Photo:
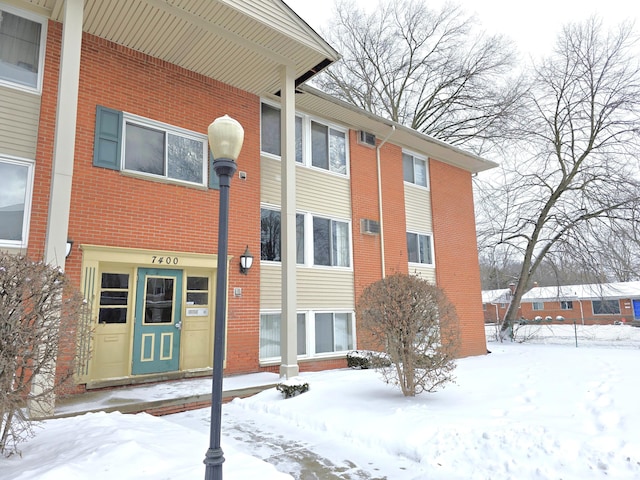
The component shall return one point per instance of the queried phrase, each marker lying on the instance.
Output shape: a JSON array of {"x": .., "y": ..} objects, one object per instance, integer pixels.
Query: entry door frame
[{"x": 156, "y": 346}]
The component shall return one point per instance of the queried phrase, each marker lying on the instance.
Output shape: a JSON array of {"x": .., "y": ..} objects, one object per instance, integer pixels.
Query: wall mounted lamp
[
  {"x": 246, "y": 260},
  {"x": 68, "y": 248}
]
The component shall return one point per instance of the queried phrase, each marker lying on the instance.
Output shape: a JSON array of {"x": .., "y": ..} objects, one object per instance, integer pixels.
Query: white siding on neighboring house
[{"x": 19, "y": 116}]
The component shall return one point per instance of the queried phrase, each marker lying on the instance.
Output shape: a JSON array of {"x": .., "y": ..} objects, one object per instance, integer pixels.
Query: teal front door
[{"x": 156, "y": 333}]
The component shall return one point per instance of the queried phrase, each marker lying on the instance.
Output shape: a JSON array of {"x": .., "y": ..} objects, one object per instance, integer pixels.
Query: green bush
[
  {"x": 364, "y": 359},
  {"x": 292, "y": 387}
]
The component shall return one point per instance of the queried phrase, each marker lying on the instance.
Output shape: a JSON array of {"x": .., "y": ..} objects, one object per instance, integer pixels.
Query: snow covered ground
[{"x": 544, "y": 410}]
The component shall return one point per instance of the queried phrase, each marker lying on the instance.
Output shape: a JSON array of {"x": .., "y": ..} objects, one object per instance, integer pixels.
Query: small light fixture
[
  {"x": 246, "y": 260},
  {"x": 69, "y": 247}
]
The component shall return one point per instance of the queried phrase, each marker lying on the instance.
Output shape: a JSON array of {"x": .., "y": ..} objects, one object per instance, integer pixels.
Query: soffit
[
  {"x": 316, "y": 102},
  {"x": 243, "y": 43}
]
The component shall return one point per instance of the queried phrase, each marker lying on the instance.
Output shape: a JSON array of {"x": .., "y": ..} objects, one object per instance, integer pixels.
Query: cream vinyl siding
[
  {"x": 316, "y": 191},
  {"x": 19, "y": 116},
  {"x": 423, "y": 271},
  {"x": 418, "y": 209},
  {"x": 317, "y": 288}
]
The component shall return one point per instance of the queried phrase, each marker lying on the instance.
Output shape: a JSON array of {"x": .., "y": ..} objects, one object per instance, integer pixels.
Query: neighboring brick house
[
  {"x": 104, "y": 108},
  {"x": 605, "y": 303},
  {"x": 495, "y": 304}
]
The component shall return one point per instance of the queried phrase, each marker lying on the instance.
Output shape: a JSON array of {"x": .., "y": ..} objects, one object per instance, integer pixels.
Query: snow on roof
[
  {"x": 594, "y": 291},
  {"x": 501, "y": 295}
]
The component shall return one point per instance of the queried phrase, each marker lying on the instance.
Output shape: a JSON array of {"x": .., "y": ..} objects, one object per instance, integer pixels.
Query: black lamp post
[{"x": 225, "y": 139}]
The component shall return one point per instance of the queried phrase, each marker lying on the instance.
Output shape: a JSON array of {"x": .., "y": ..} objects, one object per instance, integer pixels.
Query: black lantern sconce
[{"x": 246, "y": 260}]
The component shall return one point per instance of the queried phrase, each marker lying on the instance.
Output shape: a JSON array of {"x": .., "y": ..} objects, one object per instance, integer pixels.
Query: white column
[
  {"x": 288, "y": 326},
  {"x": 65, "y": 134},
  {"x": 61, "y": 175}
]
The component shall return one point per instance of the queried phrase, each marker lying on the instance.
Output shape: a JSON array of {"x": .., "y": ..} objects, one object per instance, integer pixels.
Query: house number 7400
[{"x": 166, "y": 260}]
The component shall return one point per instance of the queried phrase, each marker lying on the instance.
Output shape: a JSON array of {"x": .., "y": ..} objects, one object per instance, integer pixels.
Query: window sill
[{"x": 166, "y": 181}]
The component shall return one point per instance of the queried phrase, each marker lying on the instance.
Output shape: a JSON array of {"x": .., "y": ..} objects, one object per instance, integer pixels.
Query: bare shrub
[
  {"x": 39, "y": 309},
  {"x": 418, "y": 328}
]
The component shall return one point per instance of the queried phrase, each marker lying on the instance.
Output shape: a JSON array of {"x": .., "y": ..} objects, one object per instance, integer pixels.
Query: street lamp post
[{"x": 225, "y": 140}]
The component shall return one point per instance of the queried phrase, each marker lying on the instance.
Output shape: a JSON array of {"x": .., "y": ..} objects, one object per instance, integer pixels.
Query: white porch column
[
  {"x": 62, "y": 172},
  {"x": 288, "y": 326}
]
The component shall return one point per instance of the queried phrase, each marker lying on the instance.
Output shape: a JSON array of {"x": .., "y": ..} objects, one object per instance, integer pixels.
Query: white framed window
[
  {"x": 160, "y": 150},
  {"x": 270, "y": 237},
  {"x": 331, "y": 242},
  {"x": 606, "y": 307},
  {"x": 16, "y": 187},
  {"x": 319, "y": 144},
  {"x": 22, "y": 41},
  {"x": 270, "y": 335},
  {"x": 319, "y": 334},
  {"x": 414, "y": 170},
  {"x": 420, "y": 248},
  {"x": 537, "y": 305},
  {"x": 333, "y": 332},
  {"x": 566, "y": 305}
]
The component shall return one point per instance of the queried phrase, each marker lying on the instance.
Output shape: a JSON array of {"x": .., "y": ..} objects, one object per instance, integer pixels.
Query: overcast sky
[{"x": 532, "y": 25}]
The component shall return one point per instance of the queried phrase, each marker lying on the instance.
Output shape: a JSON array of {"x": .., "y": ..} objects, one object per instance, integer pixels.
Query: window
[
  {"x": 197, "y": 291},
  {"x": 161, "y": 152},
  {"x": 328, "y": 148},
  {"x": 270, "y": 335},
  {"x": 419, "y": 248},
  {"x": 333, "y": 332},
  {"x": 21, "y": 49},
  {"x": 415, "y": 170},
  {"x": 317, "y": 144},
  {"x": 537, "y": 305},
  {"x": 135, "y": 144},
  {"x": 566, "y": 305},
  {"x": 606, "y": 307},
  {"x": 270, "y": 132},
  {"x": 114, "y": 298},
  {"x": 270, "y": 238},
  {"x": 331, "y": 243},
  {"x": 16, "y": 181}
]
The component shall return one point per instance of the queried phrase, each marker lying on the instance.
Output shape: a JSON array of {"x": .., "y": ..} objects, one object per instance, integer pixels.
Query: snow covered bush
[
  {"x": 415, "y": 324},
  {"x": 39, "y": 310},
  {"x": 292, "y": 387},
  {"x": 364, "y": 359}
]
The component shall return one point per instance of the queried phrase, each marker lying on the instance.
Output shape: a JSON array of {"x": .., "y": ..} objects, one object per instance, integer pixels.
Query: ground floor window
[
  {"x": 537, "y": 305},
  {"x": 16, "y": 180},
  {"x": 606, "y": 307},
  {"x": 318, "y": 333},
  {"x": 566, "y": 305}
]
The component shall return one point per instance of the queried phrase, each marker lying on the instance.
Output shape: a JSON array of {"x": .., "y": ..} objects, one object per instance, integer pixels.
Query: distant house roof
[
  {"x": 595, "y": 291},
  {"x": 501, "y": 295}
]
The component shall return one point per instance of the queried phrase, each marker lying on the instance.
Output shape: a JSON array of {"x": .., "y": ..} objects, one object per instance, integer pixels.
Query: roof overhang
[
  {"x": 314, "y": 101},
  {"x": 243, "y": 43}
]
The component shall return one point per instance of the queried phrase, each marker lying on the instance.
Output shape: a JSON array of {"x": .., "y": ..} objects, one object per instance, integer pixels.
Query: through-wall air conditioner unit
[
  {"x": 369, "y": 227},
  {"x": 366, "y": 138}
]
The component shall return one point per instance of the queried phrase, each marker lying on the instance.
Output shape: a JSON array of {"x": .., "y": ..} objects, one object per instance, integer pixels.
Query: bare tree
[
  {"x": 416, "y": 326},
  {"x": 423, "y": 68},
  {"x": 575, "y": 167},
  {"x": 39, "y": 310}
]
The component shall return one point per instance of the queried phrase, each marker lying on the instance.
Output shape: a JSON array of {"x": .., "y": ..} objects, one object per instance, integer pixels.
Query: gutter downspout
[{"x": 393, "y": 129}]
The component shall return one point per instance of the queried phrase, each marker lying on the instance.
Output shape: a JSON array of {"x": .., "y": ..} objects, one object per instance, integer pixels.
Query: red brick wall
[
  {"x": 456, "y": 254},
  {"x": 553, "y": 310},
  {"x": 108, "y": 208}
]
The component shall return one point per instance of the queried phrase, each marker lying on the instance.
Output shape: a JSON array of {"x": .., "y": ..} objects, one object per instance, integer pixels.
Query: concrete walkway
[{"x": 163, "y": 398}]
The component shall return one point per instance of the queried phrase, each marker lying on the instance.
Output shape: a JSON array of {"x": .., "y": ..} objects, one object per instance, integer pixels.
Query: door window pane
[
  {"x": 14, "y": 184},
  {"x": 144, "y": 150},
  {"x": 19, "y": 49},
  {"x": 159, "y": 300},
  {"x": 114, "y": 298},
  {"x": 197, "y": 291}
]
